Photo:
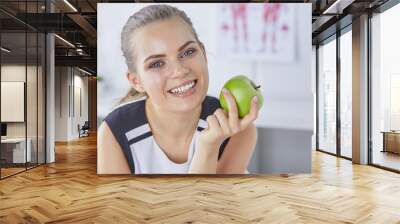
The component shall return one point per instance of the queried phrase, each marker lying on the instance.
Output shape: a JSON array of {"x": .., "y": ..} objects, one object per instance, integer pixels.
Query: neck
[{"x": 172, "y": 124}]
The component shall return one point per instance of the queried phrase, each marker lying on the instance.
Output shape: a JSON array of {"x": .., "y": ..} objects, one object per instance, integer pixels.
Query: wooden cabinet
[{"x": 391, "y": 142}]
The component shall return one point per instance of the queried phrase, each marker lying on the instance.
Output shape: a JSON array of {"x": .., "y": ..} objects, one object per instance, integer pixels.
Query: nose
[{"x": 179, "y": 69}]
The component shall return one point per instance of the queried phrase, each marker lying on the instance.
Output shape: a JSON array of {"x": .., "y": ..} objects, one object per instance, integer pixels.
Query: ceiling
[
  {"x": 328, "y": 16},
  {"x": 77, "y": 25},
  {"x": 76, "y": 22}
]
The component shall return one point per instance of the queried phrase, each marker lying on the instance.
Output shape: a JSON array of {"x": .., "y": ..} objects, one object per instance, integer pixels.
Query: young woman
[{"x": 168, "y": 124}]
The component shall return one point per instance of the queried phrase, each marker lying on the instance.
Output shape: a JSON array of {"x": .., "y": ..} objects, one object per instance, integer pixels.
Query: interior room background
[{"x": 281, "y": 65}]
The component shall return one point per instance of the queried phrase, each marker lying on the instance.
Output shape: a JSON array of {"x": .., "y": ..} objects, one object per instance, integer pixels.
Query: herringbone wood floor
[{"x": 69, "y": 191}]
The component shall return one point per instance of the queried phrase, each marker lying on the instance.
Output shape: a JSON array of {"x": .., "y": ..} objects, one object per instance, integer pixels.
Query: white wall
[
  {"x": 314, "y": 90},
  {"x": 67, "y": 80},
  {"x": 16, "y": 73},
  {"x": 61, "y": 103},
  {"x": 80, "y": 84},
  {"x": 287, "y": 87}
]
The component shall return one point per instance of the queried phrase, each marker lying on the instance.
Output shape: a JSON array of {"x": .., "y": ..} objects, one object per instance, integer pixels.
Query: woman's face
[{"x": 170, "y": 65}]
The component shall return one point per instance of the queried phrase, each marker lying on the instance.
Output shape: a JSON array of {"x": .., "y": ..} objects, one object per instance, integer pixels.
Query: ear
[{"x": 134, "y": 80}]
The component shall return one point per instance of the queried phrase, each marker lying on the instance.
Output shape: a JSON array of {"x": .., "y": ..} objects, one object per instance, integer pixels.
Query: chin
[{"x": 189, "y": 105}]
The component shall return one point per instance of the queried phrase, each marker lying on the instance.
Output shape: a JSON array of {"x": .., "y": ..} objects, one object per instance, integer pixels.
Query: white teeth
[{"x": 184, "y": 88}]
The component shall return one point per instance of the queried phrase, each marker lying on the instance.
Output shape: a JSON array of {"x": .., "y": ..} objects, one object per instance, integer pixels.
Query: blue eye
[
  {"x": 156, "y": 64},
  {"x": 189, "y": 52}
]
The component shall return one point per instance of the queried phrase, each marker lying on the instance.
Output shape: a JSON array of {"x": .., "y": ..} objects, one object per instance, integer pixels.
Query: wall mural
[{"x": 267, "y": 35}]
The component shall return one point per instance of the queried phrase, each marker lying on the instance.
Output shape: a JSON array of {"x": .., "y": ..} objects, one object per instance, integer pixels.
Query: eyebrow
[{"x": 163, "y": 55}]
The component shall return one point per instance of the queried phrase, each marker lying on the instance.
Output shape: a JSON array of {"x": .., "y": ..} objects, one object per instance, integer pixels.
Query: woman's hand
[{"x": 222, "y": 125}]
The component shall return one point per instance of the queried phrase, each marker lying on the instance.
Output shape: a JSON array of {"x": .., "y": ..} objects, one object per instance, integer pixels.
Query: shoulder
[
  {"x": 126, "y": 109},
  {"x": 104, "y": 137},
  {"x": 110, "y": 157},
  {"x": 127, "y": 116},
  {"x": 128, "y": 124}
]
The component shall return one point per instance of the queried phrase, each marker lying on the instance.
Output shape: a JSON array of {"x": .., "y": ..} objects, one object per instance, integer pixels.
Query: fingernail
[
  {"x": 255, "y": 99},
  {"x": 225, "y": 91}
]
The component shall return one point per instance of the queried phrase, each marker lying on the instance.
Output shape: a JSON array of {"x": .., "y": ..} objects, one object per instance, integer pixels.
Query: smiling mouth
[{"x": 183, "y": 88}]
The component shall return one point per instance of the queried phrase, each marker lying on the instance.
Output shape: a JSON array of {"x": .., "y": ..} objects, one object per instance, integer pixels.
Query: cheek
[
  {"x": 154, "y": 84},
  {"x": 202, "y": 69},
  {"x": 199, "y": 65}
]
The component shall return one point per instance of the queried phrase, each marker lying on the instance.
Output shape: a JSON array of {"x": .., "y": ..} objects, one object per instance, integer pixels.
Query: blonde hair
[{"x": 141, "y": 18}]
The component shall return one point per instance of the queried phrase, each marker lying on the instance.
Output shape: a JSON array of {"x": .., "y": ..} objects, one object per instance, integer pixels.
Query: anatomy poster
[{"x": 262, "y": 32}]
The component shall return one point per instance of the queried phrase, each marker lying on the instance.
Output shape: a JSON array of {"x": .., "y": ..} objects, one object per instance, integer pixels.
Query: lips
[{"x": 184, "y": 87}]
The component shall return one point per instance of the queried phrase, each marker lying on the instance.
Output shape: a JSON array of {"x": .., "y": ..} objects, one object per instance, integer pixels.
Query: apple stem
[{"x": 257, "y": 87}]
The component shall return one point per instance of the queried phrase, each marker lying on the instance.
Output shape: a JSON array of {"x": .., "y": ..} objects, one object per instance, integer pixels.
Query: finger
[
  {"x": 232, "y": 107},
  {"x": 232, "y": 111},
  {"x": 223, "y": 121},
  {"x": 251, "y": 116},
  {"x": 213, "y": 123}
]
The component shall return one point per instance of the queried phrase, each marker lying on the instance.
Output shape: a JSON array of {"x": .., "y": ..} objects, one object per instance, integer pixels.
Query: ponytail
[{"x": 132, "y": 94}]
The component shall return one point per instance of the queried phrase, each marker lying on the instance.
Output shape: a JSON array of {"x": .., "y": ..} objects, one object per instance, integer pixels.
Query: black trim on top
[
  {"x": 128, "y": 154},
  {"x": 140, "y": 137},
  {"x": 222, "y": 147}
]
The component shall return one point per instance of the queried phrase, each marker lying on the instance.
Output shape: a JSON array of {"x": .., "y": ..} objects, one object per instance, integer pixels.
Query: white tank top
[
  {"x": 150, "y": 158},
  {"x": 129, "y": 125}
]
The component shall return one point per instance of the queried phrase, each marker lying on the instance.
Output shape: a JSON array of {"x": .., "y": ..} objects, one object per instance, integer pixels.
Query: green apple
[{"x": 243, "y": 90}]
